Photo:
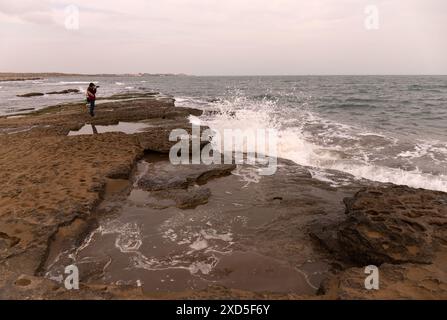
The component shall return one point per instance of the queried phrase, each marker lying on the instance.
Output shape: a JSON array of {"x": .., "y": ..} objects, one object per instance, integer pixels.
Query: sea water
[{"x": 382, "y": 128}]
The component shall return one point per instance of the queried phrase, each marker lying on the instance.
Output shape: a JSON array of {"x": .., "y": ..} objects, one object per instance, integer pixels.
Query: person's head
[{"x": 91, "y": 85}]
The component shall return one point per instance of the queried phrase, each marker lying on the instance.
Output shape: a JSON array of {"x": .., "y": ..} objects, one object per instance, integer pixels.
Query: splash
[{"x": 313, "y": 141}]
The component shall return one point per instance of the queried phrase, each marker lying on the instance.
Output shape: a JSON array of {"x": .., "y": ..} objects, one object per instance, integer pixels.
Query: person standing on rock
[{"x": 91, "y": 98}]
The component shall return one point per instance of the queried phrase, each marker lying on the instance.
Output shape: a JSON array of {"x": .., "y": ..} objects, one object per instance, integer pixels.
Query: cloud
[
  {"x": 15, "y": 7},
  {"x": 37, "y": 12},
  {"x": 232, "y": 36}
]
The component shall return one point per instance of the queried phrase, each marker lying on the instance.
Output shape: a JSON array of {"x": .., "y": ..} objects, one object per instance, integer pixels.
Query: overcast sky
[{"x": 225, "y": 37}]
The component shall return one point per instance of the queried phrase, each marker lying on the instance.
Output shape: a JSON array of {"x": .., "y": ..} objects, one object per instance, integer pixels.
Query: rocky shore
[
  {"x": 231, "y": 234},
  {"x": 38, "y": 94}
]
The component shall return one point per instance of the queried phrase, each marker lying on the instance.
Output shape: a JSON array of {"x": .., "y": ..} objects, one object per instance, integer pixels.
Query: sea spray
[{"x": 308, "y": 139}]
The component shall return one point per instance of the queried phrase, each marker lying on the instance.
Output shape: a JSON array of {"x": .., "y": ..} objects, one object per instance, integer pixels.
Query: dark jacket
[{"x": 91, "y": 94}]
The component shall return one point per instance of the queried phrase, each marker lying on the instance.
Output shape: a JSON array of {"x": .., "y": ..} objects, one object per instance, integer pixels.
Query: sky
[{"x": 224, "y": 37}]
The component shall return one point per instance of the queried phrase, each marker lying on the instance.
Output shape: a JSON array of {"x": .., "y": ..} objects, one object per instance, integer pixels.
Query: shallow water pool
[{"x": 125, "y": 127}]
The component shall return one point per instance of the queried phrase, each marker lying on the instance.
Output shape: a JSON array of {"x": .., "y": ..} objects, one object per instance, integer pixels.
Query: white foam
[
  {"x": 415, "y": 178},
  {"x": 305, "y": 154},
  {"x": 199, "y": 244},
  {"x": 204, "y": 268},
  {"x": 247, "y": 175},
  {"x": 195, "y": 120},
  {"x": 211, "y": 234},
  {"x": 128, "y": 238},
  {"x": 15, "y": 117},
  {"x": 323, "y": 176},
  {"x": 435, "y": 151},
  {"x": 295, "y": 144},
  {"x": 170, "y": 234}
]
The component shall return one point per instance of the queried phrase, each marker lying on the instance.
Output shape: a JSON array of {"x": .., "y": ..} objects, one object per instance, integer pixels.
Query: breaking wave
[{"x": 311, "y": 140}]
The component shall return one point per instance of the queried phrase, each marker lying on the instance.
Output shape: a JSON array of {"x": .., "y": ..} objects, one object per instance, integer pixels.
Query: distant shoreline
[
  {"x": 24, "y": 76},
  {"x": 12, "y": 76}
]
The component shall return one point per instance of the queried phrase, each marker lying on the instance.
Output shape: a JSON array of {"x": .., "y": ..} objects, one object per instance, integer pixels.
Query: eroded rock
[
  {"x": 31, "y": 94},
  {"x": 93, "y": 268},
  {"x": 394, "y": 224},
  {"x": 67, "y": 91},
  {"x": 167, "y": 176},
  {"x": 186, "y": 198},
  {"x": 408, "y": 281}
]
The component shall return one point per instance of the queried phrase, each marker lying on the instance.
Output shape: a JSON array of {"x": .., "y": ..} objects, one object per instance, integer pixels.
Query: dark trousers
[{"x": 92, "y": 107}]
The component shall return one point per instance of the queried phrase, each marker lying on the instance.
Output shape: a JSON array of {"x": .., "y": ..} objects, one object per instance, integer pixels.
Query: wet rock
[
  {"x": 133, "y": 95},
  {"x": 176, "y": 113},
  {"x": 393, "y": 224},
  {"x": 397, "y": 282},
  {"x": 148, "y": 109},
  {"x": 156, "y": 137},
  {"x": 23, "y": 282},
  {"x": 167, "y": 176},
  {"x": 121, "y": 171},
  {"x": 25, "y": 287},
  {"x": 25, "y": 109},
  {"x": 65, "y": 91},
  {"x": 93, "y": 268},
  {"x": 192, "y": 198},
  {"x": 6, "y": 243},
  {"x": 186, "y": 198},
  {"x": 31, "y": 94}
]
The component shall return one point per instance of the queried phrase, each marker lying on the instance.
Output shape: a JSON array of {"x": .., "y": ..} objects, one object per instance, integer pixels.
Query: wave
[
  {"x": 64, "y": 83},
  {"x": 317, "y": 150},
  {"x": 428, "y": 88},
  {"x": 348, "y": 105},
  {"x": 362, "y": 100},
  {"x": 266, "y": 96},
  {"x": 75, "y": 82}
]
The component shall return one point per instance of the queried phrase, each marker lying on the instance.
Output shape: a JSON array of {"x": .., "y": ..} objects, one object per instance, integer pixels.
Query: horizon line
[{"x": 214, "y": 75}]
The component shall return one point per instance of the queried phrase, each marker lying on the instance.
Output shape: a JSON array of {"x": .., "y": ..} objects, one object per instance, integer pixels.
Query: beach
[{"x": 102, "y": 194}]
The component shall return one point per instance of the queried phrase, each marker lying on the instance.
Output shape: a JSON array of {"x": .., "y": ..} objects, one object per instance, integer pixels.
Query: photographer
[{"x": 91, "y": 97}]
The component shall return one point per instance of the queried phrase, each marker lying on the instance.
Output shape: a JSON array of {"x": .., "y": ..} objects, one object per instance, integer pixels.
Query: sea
[{"x": 390, "y": 129}]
